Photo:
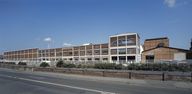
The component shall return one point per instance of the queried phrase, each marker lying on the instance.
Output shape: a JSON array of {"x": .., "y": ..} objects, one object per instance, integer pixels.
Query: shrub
[
  {"x": 133, "y": 66},
  {"x": 79, "y": 66},
  {"x": 44, "y": 64},
  {"x": 11, "y": 63},
  {"x": 60, "y": 63},
  {"x": 66, "y": 65},
  {"x": 184, "y": 67},
  {"x": 85, "y": 66},
  {"x": 163, "y": 66},
  {"x": 22, "y": 63},
  {"x": 69, "y": 65},
  {"x": 105, "y": 66},
  {"x": 119, "y": 66}
]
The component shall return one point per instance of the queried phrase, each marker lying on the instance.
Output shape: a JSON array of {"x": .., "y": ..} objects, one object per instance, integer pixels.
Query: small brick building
[
  {"x": 159, "y": 54},
  {"x": 157, "y": 50},
  {"x": 153, "y": 43}
]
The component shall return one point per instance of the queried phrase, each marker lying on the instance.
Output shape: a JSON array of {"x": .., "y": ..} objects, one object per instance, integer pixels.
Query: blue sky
[{"x": 31, "y": 23}]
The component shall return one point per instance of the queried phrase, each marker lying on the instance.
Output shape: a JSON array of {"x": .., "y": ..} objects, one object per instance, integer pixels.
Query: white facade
[{"x": 124, "y": 48}]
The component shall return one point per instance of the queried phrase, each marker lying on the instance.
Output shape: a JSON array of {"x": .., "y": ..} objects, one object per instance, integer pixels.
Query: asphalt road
[{"x": 19, "y": 82}]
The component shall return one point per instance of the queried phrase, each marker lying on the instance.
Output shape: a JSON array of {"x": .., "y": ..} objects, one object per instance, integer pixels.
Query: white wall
[{"x": 179, "y": 56}]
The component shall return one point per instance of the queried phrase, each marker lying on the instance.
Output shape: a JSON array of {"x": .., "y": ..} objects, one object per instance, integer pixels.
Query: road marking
[{"x": 61, "y": 85}]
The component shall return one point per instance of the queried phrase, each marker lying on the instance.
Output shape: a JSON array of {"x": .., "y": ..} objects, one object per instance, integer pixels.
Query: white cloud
[
  {"x": 48, "y": 39},
  {"x": 170, "y": 3},
  {"x": 67, "y": 44},
  {"x": 87, "y": 43}
]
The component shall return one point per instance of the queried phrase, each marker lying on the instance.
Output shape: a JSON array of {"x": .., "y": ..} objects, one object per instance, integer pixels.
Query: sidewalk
[{"x": 137, "y": 82}]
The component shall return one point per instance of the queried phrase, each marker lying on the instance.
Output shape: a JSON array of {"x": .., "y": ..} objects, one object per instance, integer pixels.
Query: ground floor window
[
  {"x": 89, "y": 59},
  {"x": 82, "y": 59},
  {"x": 97, "y": 59},
  {"x": 131, "y": 59},
  {"x": 70, "y": 59},
  {"x": 105, "y": 59},
  {"x": 76, "y": 59},
  {"x": 114, "y": 58},
  {"x": 150, "y": 58},
  {"x": 122, "y": 59}
]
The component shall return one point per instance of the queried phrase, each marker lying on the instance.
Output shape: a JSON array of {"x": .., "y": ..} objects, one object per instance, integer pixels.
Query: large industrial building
[{"x": 122, "y": 48}]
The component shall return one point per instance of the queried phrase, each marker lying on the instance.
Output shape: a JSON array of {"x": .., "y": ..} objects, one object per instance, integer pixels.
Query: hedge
[
  {"x": 44, "y": 64},
  {"x": 184, "y": 67},
  {"x": 65, "y": 65},
  {"x": 22, "y": 63}
]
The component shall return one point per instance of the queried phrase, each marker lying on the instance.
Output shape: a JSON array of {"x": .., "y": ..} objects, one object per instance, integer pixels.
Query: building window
[
  {"x": 64, "y": 53},
  {"x": 105, "y": 59},
  {"x": 121, "y": 41},
  {"x": 114, "y": 58},
  {"x": 113, "y": 41},
  {"x": 89, "y": 47},
  {"x": 97, "y": 59},
  {"x": 76, "y": 53},
  {"x": 104, "y": 45},
  {"x": 96, "y": 46},
  {"x": 82, "y": 48},
  {"x": 82, "y": 53},
  {"x": 59, "y": 54},
  {"x": 76, "y": 48},
  {"x": 70, "y": 59},
  {"x": 82, "y": 59},
  {"x": 96, "y": 52},
  {"x": 76, "y": 59},
  {"x": 131, "y": 40},
  {"x": 131, "y": 58},
  {"x": 89, "y": 52},
  {"x": 150, "y": 58},
  {"x": 113, "y": 51},
  {"x": 89, "y": 59},
  {"x": 122, "y": 59},
  {"x": 122, "y": 51},
  {"x": 52, "y": 54},
  {"x": 104, "y": 51},
  {"x": 70, "y": 53},
  {"x": 131, "y": 50}
]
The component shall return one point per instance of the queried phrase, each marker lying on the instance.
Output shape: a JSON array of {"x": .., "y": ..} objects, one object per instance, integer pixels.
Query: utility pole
[{"x": 191, "y": 45}]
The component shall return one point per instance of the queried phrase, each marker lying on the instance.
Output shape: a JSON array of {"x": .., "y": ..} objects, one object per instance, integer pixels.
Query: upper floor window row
[{"x": 123, "y": 41}]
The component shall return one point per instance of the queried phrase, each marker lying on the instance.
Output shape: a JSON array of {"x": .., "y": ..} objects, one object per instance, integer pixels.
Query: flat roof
[
  {"x": 68, "y": 47},
  {"x": 122, "y": 34},
  {"x": 21, "y": 50},
  {"x": 157, "y": 38}
]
